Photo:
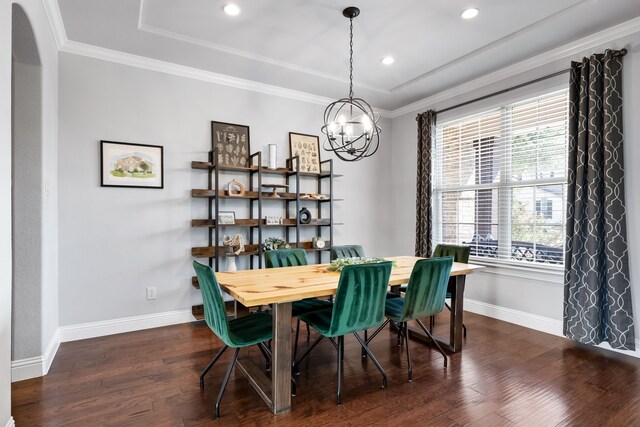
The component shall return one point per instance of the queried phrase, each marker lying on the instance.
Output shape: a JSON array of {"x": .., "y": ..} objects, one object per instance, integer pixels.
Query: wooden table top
[{"x": 268, "y": 286}]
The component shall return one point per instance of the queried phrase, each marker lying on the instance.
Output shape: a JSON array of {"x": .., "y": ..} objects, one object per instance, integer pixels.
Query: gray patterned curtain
[
  {"x": 597, "y": 293},
  {"x": 426, "y": 125}
]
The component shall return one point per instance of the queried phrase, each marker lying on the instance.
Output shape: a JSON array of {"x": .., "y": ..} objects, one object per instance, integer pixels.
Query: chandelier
[{"x": 350, "y": 124}]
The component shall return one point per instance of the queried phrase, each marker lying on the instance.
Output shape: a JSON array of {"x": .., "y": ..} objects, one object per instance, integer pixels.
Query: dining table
[{"x": 280, "y": 287}]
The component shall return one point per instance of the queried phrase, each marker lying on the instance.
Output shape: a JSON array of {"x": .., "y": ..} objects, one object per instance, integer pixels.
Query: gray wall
[
  {"x": 114, "y": 242},
  {"x": 26, "y": 211},
  {"x": 510, "y": 288}
]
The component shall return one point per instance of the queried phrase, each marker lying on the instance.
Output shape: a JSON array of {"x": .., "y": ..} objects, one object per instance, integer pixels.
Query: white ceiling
[{"x": 303, "y": 45}]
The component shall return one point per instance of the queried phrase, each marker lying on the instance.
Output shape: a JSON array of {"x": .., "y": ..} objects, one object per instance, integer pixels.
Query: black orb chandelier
[{"x": 350, "y": 124}]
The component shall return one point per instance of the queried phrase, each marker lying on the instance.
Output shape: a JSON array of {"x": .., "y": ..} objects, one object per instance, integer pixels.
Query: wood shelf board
[
  {"x": 194, "y": 282},
  {"x": 290, "y": 222},
  {"x": 263, "y": 169},
  {"x": 253, "y": 195},
  {"x": 220, "y": 251}
]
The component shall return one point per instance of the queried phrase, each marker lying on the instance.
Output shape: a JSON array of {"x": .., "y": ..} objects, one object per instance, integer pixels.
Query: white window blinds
[{"x": 499, "y": 181}]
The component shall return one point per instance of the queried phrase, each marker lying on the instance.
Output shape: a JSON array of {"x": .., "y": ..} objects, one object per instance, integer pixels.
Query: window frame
[{"x": 509, "y": 266}]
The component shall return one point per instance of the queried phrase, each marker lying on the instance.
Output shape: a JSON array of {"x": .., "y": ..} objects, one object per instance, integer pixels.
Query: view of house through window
[{"x": 499, "y": 181}]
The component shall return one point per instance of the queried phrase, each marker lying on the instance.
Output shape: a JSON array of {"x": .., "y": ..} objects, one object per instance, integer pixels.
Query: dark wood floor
[{"x": 506, "y": 375}]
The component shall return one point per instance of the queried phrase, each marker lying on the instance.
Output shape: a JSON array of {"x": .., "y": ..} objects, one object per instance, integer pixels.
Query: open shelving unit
[{"x": 216, "y": 195}]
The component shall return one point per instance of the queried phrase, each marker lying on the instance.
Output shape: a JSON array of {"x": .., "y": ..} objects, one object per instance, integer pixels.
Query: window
[{"x": 499, "y": 181}]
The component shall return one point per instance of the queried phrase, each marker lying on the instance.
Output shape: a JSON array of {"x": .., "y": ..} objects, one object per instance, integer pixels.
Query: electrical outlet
[{"x": 151, "y": 293}]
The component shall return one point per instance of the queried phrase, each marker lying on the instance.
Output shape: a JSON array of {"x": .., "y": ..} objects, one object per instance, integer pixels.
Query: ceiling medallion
[{"x": 350, "y": 124}]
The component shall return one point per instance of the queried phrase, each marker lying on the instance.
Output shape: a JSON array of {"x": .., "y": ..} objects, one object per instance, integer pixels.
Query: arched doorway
[{"x": 26, "y": 193}]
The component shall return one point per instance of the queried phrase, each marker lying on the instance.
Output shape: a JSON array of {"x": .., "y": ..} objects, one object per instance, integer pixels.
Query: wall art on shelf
[
  {"x": 124, "y": 164},
  {"x": 226, "y": 218},
  {"x": 231, "y": 142},
  {"x": 272, "y": 220},
  {"x": 308, "y": 148}
]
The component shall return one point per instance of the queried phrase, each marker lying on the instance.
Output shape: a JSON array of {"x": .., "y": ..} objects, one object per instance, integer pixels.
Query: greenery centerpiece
[
  {"x": 338, "y": 264},
  {"x": 273, "y": 243}
]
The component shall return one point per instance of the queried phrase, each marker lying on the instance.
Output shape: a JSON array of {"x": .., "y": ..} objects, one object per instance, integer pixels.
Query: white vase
[
  {"x": 273, "y": 154},
  {"x": 231, "y": 263}
]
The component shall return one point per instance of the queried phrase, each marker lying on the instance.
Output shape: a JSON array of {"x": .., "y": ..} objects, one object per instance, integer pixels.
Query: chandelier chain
[{"x": 350, "y": 58}]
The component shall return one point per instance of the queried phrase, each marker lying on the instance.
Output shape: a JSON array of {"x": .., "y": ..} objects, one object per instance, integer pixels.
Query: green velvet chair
[
  {"x": 346, "y": 251},
  {"x": 358, "y": 305},
  {"x": 424, "y": 297},
  {"x": 237, "y": 333},
  {"x": 460, "y": 253},
  {"x": 293, "y": 258}
]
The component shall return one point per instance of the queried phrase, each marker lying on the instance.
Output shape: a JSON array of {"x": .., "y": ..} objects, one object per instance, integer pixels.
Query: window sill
[{"x": 541, "y": 273}]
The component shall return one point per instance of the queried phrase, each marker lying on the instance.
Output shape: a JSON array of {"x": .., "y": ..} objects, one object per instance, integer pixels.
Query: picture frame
[
  {"x": 307, "y": 147},
  {"x": 272, "y": 220},
  {"x": 232, "y": 144},
  {"x": 124, "y": 164},
  {"x": 226, "y": 218}
]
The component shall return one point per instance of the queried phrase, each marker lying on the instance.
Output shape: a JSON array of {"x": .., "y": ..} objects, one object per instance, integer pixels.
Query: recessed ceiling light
[
  {"x": 469, "y": 13},
  {"x": 387, "y": 60},
  {"x": 231, "y": 9}
]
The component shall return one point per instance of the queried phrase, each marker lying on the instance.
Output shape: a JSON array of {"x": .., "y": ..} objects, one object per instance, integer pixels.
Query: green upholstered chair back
[
  {"x": 215, "y": 313},
  {"x": 460, "y": 253},
  {"x": 346, "y": 251},
  {"x": 427, "y": 288},
  {"x": 285, "y": 258},
  {"x": 360, "y": 298}
]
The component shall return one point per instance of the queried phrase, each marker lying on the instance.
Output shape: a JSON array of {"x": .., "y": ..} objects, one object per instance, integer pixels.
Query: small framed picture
[
  {"x": 231, "y": 143},
  {"x": 307, "y": 147},
  {"x": 123, "y": 164},
  {"x": 226, "y": 218},
  {"x": 272, "y": 220}
]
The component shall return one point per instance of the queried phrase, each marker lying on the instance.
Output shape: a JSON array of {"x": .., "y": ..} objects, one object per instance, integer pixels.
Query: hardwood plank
[{"x": 505, "y": 375}]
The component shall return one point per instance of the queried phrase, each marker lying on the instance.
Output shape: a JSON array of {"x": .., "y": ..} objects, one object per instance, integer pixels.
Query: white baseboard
[
  {"x": 37, "y": 366},
  {"x": 11, "y": 422},
  {"x": 528, "y": 320},
  {"x": 125, "y": 324}
]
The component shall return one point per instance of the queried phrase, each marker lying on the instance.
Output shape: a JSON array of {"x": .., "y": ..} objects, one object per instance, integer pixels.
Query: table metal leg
[{"x": 281, "y": 368}]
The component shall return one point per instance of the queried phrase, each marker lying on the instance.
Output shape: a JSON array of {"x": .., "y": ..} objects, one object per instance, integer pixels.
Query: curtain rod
[{"x": 621, "y": 52}]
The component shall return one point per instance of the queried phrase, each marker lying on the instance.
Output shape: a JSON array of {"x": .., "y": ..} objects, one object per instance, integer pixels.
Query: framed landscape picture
[
  {"x": 308, "y": 148},
  {"x": 124, "y": 164},
  {"x": 231, "y": 143}
]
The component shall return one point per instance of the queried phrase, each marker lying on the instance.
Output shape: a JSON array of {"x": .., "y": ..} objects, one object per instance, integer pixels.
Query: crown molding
[
  {"x": 55, "y": 21},
  {"x": 566, "y": 51}
]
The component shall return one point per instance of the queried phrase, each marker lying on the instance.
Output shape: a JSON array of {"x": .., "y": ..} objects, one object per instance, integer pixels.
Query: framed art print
[
  {"x": 307, "y": 147},
  {"x": 231, "y": 143},
  {"x": 123, "y": 164}
]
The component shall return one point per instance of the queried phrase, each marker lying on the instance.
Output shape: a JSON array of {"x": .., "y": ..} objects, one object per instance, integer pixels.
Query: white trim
[
  {"x": 11, "y": 422},
  {"x": 194, "y": 73},
  {"x": 50, "y": 352},
  {"x": 125, "y": 324},
  {"x": 55, "y": 21},
  {"x": 548, "y": 274},
  {"x": 605, "y": 36},
  {"x": 531, "y": 321},
  {"x": 37, "y": 366},
  {"x": 25, "y": 369}
]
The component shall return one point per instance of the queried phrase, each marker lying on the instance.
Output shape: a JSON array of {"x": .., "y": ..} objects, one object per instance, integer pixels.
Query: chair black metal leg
[
  {"x": 308, "y": 333},
  {"x": 210, "y": 365},
  {"x": 432, "y": 323},
  {"x": 362, "y": 352},
  {"x": 340, "y": 366},
  {"x": 295, "y": 343},
  {"x": 377, "y": 331},
  {"x": 296, "y": 363},
  {"x": 267, "y": 357},
  {"x": 226, "y": 380},
  {"x": 406, "y": 343},
  {"x": 373, "y": 359},
  {"x": 432, "y": 340}
]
